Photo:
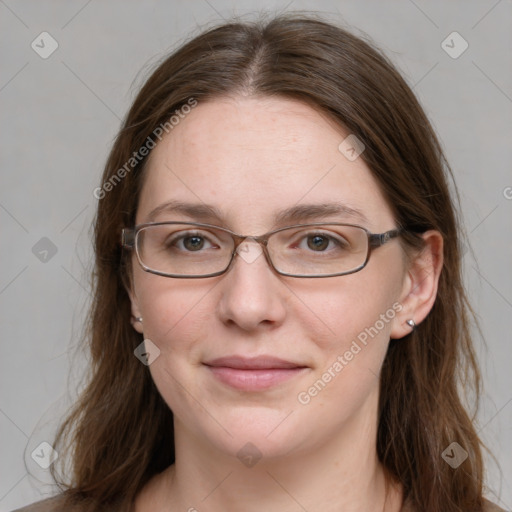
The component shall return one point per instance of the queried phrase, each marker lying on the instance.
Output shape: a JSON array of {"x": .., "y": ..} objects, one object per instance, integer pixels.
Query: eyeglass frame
[{"x": 375, "y": 240}]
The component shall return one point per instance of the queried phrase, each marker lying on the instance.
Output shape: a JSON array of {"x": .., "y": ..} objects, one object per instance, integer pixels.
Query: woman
[{"x": 279, "y": 320}]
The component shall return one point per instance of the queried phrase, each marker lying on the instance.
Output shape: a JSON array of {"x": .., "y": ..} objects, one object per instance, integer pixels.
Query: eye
[
  {"x": 318, "y": 242},
  {"x": 322, "y": 242},
  {"x": 190, "y": 241}
]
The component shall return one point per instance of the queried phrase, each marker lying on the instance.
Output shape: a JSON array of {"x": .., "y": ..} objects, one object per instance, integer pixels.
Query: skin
[{"x": 250, "y": 157}]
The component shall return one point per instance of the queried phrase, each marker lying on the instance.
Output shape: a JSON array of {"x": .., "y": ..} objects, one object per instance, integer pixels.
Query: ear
[
  {"x": 420, "y": 284},
  {"x": 136, "y": 312}
]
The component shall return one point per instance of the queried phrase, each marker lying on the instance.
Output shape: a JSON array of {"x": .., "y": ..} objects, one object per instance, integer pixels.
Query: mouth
[{"x": 253, "y": 374}]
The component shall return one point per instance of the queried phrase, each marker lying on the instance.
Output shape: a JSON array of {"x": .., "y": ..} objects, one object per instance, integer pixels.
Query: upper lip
[{"x": 253, "y": 363}]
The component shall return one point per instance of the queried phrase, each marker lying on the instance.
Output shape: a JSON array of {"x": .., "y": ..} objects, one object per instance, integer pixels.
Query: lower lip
[{"x": 254, "y": 380}]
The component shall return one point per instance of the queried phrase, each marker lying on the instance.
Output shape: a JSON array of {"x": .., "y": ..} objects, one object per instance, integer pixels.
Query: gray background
[{"x": 60, "y": 115}]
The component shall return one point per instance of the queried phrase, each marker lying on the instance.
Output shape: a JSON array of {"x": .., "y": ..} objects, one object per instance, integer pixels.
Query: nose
[{"x": 252, "y": 293}]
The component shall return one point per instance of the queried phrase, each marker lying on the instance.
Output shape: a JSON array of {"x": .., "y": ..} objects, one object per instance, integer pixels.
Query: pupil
[
  {"x": 318, "y": 242},
  {"x": 193, "y": 242}
]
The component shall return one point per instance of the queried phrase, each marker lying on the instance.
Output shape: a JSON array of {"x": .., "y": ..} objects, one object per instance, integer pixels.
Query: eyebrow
[{"x": 299, "y": 213}]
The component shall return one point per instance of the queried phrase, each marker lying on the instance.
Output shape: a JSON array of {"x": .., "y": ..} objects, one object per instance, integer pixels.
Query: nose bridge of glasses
[{"x": 249, "y": 248}]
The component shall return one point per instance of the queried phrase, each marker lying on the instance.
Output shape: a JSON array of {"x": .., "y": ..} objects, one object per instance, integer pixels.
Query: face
[{"x": 252, "y": 158}]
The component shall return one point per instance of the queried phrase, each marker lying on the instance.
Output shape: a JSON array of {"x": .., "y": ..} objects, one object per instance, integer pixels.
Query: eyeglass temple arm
[
  {"x": 128, "y": 238},
  {"x": 376, "y": 240}
]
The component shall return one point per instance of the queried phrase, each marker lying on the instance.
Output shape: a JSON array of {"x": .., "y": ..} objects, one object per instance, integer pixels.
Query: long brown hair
[{"x": 120, "y": 433}]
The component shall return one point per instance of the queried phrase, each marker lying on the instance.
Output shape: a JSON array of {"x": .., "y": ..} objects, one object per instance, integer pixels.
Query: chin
[{"x": 272, "y": 433}]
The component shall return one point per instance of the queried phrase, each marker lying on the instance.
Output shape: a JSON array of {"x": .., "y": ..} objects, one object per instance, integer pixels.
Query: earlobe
[
  {"x": 136, "y": 319},
  {"x": 137, "y": 323},
  {"x": 420, "y": 285}
]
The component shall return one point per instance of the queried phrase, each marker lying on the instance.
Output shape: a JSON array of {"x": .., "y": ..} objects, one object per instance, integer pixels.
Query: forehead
[{"x": 250, "y": 158}]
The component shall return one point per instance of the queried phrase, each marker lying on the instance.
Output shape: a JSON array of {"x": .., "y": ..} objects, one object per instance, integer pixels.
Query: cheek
[
  {"x": 175, "y": 312},
  {"x": 338, "y": 311},
  {"x": 350, "y": 320},
  {"x": 177, "y": 317}
]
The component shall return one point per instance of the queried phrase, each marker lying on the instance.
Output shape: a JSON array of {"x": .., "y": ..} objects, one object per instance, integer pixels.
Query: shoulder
[
  {"x": 48, "y": 505},
  {"x": 58, "y": 503},
  {"x": 491, "y": 507}
]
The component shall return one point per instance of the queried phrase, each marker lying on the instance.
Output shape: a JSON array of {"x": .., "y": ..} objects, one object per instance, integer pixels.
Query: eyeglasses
[{"x": 194, "y": 250}]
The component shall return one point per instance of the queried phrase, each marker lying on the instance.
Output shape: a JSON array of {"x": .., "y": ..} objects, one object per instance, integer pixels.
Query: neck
[{"x": 342, "y": 474}]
